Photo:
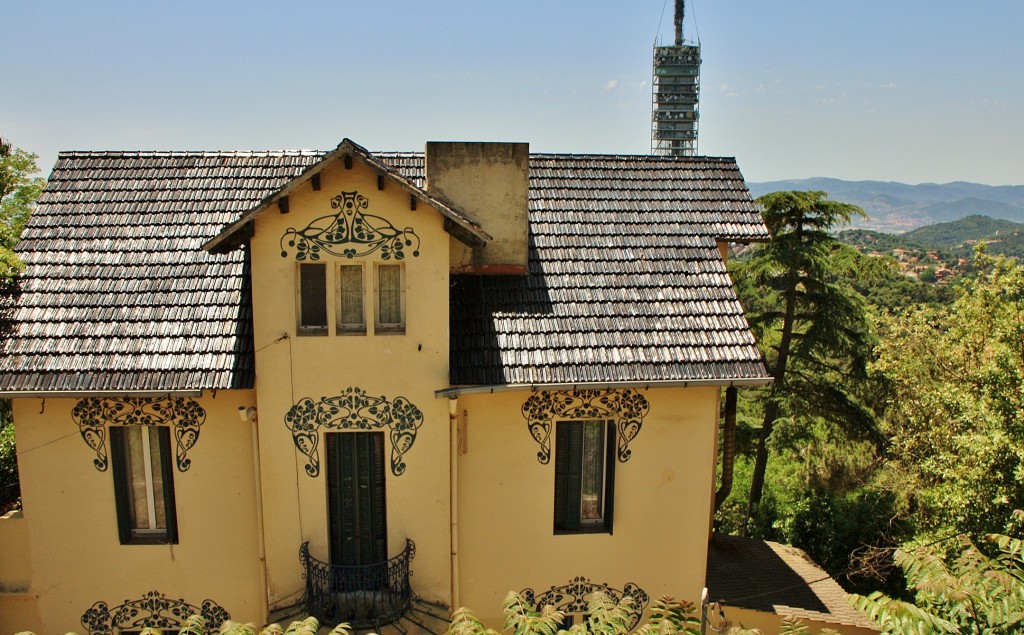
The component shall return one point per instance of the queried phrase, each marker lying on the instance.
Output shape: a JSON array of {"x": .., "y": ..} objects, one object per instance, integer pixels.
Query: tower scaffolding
[{"x": 675, "y": 91}]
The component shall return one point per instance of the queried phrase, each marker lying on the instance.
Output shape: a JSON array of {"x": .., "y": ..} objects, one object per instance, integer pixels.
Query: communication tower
[{"x": 676, "y": 86}]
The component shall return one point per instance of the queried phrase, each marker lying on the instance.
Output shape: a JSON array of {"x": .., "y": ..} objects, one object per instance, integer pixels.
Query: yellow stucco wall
[
  {"x": 69, "y": 512},
  {"x": 16, "y": 605},
  {"x": 411, "y": 365},
  {"x": 14, "y": 553},
  {"x": 661, "y": 512}
]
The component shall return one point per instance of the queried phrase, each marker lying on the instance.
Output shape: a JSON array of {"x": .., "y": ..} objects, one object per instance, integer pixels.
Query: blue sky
[{"x": 901, "y": 90}]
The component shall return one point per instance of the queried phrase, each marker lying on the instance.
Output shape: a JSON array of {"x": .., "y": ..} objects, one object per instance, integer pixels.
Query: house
[{"x": 370, "y": 385}]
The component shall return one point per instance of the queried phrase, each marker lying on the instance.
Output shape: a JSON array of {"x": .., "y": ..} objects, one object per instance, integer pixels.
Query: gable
[{"x": 348, "y": 153}]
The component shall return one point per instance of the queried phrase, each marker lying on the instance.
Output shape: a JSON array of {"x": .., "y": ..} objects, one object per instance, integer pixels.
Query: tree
[
  {"x": 18, "y": 193},
  {"x": 19, "y": 190},
  {"x": 951, "y": 380},
  {"x": 813, "y": 326}
]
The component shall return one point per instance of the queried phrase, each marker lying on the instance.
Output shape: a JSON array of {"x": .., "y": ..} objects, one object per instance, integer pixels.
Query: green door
[{"x": 356, "y": 502}]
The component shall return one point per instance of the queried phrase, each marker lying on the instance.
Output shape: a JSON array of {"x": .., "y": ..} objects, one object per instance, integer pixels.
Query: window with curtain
[
  {"x": 390, "y": 298},
  {"x": 350, "y": 299},
  {"x": 143, "y": 484}
]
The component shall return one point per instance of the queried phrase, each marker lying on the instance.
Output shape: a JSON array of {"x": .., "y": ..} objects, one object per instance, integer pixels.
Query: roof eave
[
  {"x": 58, "y": 394},
  {"x": 455, "y": 391}
]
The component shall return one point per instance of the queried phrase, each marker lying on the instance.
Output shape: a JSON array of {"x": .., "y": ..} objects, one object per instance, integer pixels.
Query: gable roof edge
[{"x": 465, "y": 229}]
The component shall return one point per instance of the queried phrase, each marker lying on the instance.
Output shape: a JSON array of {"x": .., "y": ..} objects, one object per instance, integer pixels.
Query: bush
[{"x": 8, "y": 455}]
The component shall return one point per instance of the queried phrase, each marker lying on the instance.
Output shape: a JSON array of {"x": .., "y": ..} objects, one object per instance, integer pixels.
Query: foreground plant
[
  {"x": 196, "y": 625},
  {"x": 605, "y": 616},
  {"x": 972, "y": 593}
]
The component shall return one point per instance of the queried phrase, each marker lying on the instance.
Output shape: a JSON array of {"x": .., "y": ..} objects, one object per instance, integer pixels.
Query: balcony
[{"x": 365, "y": 596}]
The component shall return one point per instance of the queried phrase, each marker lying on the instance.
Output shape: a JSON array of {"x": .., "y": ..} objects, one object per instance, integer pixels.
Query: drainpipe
[
  {"x": 453, "y": 468},
  {"x": 251, "y": 414}
]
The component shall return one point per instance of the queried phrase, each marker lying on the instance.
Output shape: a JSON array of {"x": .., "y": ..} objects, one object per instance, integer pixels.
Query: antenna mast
[{"x": 680, "y": 7}]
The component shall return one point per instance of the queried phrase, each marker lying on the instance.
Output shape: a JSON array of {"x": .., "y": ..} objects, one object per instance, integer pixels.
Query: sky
[{"x": 894, "y": 90}]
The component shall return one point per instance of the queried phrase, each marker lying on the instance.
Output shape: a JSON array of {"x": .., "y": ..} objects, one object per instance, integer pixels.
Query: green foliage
[
  {"x": 950, "y": 379},
  {"x": 605, "y": 616},
  {"x": 970, "y": 593},
  {"x": 19, "y": 190},
  {"x": 8, "y": 455}
]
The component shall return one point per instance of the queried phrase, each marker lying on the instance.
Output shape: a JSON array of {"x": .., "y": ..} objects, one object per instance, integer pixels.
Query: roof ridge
[
  {"x": 386, "y": 153},
  {"x": 67, "y": 154},
  {"x": 642, "y": 157}
]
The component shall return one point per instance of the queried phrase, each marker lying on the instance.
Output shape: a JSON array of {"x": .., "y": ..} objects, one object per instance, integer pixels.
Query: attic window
[
  {"x": 390, "y": 300},
  {"x": 351, "y": 317},
  {"x": 312, "y": 299}
]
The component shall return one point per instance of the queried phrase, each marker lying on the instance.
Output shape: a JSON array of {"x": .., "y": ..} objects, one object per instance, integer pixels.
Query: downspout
[
  {"x": 252, "y": 416},
  {"x": 453, "y": 489}
]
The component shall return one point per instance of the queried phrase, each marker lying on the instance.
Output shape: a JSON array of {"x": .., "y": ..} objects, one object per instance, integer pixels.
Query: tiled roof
[
  {"x": 625, "y": 282},
  {"x": 775, "y": 578},
  {"x": 117, "y": 295}
]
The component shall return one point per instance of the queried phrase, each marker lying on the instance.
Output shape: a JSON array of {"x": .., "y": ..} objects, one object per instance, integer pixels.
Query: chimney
[{"x": 489, "y": 182}]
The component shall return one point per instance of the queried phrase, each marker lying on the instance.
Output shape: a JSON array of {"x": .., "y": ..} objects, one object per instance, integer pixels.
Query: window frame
[
  {"x": 353, "y": 328},
  {"x": 127, "y": 532},
  {"x": 568, "y": 498},
  {"x": 301, "y": 328},
  {"x": 388, "y": 328}
]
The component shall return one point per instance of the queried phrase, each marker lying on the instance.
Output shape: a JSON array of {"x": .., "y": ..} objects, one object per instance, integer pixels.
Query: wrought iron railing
[
  {"x": 365, "y": 596},
  {"x": 10, "y": 497}
]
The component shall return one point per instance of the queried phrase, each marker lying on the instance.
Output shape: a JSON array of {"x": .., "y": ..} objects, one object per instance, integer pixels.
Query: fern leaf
[{"x": 308, "y": 626}]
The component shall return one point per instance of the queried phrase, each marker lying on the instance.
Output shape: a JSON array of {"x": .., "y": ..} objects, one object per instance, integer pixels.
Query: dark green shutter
[
  {"x": 609, "y": 478},
  {"x": 122, "y": 497},
  {"x": 356, "y": 497},
  {"x": 568, "y": 479},
  {"x": 313, "y": 297},
  {"x": 166, "y": 464},
  {"x": 378, "y": 503}
]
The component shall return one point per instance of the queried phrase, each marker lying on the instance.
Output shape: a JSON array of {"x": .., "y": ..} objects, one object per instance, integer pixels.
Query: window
[
  {"x": 312, "y": 299},
  {"x": 584, "y": 476},
  {"x": 390, "y": 287},
  {"x": 349, "y": 284},
  {"x": 143, "y": 484}
]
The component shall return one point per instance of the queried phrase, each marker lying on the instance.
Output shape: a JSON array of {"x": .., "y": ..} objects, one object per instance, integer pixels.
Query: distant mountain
[
  {"x": 965, "y": 231},
  {"x": 943, "y": 246},
  {"x": 898, "y": 207}
]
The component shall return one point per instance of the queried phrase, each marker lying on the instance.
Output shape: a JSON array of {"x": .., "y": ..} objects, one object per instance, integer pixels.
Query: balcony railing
[{"x": 365, "y": 596}]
